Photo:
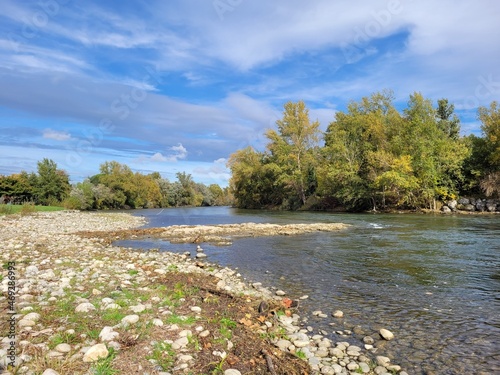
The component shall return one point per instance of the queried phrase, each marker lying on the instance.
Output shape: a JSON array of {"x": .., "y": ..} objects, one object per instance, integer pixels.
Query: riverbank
[{"x": 74, "y": 304}]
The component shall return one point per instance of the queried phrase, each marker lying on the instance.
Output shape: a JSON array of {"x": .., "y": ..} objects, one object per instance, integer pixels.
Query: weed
[
  {"x": 193, "y": 340},
  {"x": 62, "y": 338},
  {"x": 172, "y": 268},
  {"x": 6, "y": 209},
  {"x": 133, "y": 272},
  {"x": 112, "y": 316},
  {"x": 180, "y": 319},
  {"x": 300, "y": 354},
  {"x": 163, "y": 355},
  {"x": 104, "y": 366},
  {"x": 27, "y": 209}
]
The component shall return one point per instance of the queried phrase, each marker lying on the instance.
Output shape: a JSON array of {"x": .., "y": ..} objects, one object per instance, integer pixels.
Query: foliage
[
  {"x": 373, "y": 156},
  {"x": 115, "y": 187}
]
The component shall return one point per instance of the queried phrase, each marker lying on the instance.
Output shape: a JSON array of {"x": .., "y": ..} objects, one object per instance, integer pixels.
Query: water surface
[{"x": 433, "y": 280}]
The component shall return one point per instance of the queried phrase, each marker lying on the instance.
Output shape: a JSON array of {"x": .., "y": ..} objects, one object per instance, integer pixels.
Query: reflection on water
[{"x": 432, "y": 280}]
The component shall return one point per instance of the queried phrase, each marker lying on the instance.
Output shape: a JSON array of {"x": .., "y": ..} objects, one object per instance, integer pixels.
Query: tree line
[
  {"x": 372, "y": 156},
  {"x": 116, "y": 186}
]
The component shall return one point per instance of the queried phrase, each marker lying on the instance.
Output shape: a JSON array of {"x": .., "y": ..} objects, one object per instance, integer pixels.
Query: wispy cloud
[{"x": 56, "y": 135}]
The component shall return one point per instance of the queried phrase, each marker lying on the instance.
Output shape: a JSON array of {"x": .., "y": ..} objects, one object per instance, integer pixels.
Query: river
[{"x": 433, "y": 280}]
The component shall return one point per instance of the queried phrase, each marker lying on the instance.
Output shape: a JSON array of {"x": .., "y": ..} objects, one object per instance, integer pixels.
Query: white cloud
[
  {"x": 179, "y": 153},
  {"x": 56, "y": 135}
]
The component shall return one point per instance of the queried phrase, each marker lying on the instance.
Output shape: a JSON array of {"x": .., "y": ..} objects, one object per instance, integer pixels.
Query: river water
[{"x": 433, "y": 280}]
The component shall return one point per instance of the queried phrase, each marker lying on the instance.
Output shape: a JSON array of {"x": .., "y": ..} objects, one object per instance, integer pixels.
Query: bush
[
  {"x": 6, "y": 209},
  {"x": 72, "y": 203},
  {"x": 27, "y": 209}
]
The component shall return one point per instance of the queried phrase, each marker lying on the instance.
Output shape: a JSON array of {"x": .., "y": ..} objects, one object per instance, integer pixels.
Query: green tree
[
  {"x": 448, "y": 121},
  {"x": 52, "y": 184},
  {"x": 293, "y": 147},
  {"x": 490, "y": 126},
  {"x": 256, "y": 181}
]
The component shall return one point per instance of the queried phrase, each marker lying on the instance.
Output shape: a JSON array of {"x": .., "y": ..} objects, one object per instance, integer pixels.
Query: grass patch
[
  {"x": 180, "y": 319},
  {"x": 26, "y": 209},
  {"x": 104, "y": 366},
  {"x": 163, "y": 355}
]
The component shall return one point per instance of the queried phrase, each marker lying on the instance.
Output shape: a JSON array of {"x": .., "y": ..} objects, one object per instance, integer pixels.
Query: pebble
[{"x": 337, "y": 314}]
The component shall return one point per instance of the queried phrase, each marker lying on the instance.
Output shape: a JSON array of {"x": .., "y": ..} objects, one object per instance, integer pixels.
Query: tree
[
  {"x": 490, "y": 126},
  {"x": 447, "y": 120},
  {"x": 292, "y": 147},
  {"x": 256, "y": 181},
  {"x": 356, "y": 151},
  {"x": 52, "y": 184}
]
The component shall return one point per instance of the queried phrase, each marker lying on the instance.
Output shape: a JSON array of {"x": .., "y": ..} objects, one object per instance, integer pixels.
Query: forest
[
  {"x": 371, "y": 157},
  {"x": 116, "y": 186}
]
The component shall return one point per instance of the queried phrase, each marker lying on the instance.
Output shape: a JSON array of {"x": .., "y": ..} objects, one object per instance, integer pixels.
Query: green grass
[
  {"x": 8, "y": 209},
  {"x": 300, "y": 354},
  {"x": 180, "y": 319},
  {"x": 163, "y": 355},
  {"x": 104, "y": 366}
]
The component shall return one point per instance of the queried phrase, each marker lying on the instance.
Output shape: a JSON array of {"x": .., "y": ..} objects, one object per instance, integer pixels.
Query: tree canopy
[{"x": 374, "y": 156}]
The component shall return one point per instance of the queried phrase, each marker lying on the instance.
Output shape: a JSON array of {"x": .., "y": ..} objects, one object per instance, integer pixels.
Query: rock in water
[{"x": 386, "y": 334}]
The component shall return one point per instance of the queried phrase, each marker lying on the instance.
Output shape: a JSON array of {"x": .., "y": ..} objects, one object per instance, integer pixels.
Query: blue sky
[{"x": 177, "y": 85}]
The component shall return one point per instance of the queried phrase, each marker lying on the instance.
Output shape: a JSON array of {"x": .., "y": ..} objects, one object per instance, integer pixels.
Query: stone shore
[{"x": 66, "y": 282}]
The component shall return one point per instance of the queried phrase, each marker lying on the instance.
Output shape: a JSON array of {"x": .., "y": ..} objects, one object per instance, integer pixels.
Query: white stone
[
  {"x": 185, "y": 358},
  {"x": 63, "y": 348},
  {"x": 382, "y": 361},
  {"x": 26, "y": 323},
  {"x": 386, "y": 334},
  {"x": 130, "y": 319},
  {"x": 337, "y": 314},
  {"x": 85, "y": 307},
  {"x": 196, "y": 309},
  {"x": 49, "y": 371},
  {"x": 138, "y": 308},
  {"x": 157, "y": 322},
  {"x": 232, "y": 371},
  {"x": 280, "y": 293},
  {"x": 107, "y": 334},
  {"x": 95, "y": 352},
  {"x": 32, "y": 316},
  {"x": 300, "y": 343}
]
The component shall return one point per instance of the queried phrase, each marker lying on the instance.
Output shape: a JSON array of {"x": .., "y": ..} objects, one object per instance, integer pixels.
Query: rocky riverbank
[{"x": 75, "y": 304}]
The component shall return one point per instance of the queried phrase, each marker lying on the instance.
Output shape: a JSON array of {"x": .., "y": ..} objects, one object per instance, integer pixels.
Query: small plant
[
  {"x": 133, "y": 272},
  {"x": 226, "y": 326},
  {"x": 163, "y": 355},
  {"x": 104, "y": 366},
  {"x": 27, "y": 209},
  {"x": 180, "y": 319},
  {"x": 6, "y": 209},
  {"x": 112, "y": 316},
  {"x": 193, "y": 340},
  {"x": 172, "y": 268},
  {"x": 62, "y": 338},
  {"x": 300, "y": 354}
]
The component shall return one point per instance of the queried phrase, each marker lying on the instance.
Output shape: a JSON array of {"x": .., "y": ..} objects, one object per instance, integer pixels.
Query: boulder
[{"x": 452, "y": 204}]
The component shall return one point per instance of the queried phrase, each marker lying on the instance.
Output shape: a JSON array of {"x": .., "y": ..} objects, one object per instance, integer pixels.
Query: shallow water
[{"x": 433, "y": 280}]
